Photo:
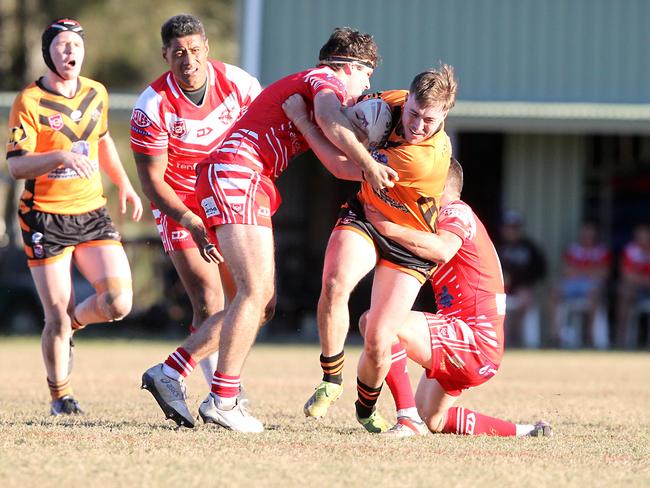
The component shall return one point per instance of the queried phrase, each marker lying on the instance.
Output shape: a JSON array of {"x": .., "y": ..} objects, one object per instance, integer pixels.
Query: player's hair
[
  {"x": 180, "y": 25},
  {"x": 435, "y": 87},
  {"x": 347, "y": 45},
  {"x": 455, "y": 175}
]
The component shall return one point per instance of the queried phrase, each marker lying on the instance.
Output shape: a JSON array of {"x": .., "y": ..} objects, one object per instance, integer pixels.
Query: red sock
[
  {"x": 181, "y": 361},
  {"x": 225, "y": 386},
  {"x": 464, "y": 421},
  {"x": 398, "y": 378}
]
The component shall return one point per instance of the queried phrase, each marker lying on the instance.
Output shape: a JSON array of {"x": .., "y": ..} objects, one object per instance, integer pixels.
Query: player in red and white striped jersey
[
  {"x": 177, "y": 121},
  {"x": 461, "y": 346},
  {"x": 238, "y": 197}
]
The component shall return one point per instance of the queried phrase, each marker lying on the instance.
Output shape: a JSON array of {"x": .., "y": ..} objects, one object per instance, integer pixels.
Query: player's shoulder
[
  {"x": 90, "y": 84},
  {"x": 394, "y": 98}
]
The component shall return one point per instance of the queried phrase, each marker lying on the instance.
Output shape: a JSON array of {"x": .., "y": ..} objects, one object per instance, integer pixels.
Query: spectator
[
  {"x": 634, "y": 282},
  {"x": 582, "y": 285},
  {"x": 523, "y": 267}
]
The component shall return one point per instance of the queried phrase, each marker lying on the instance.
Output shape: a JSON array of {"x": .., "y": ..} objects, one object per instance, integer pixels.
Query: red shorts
[
  {"x": 458, "y": 355},
  {"x": 172, "y": 234},
  {"x": 235, "y": 194}
]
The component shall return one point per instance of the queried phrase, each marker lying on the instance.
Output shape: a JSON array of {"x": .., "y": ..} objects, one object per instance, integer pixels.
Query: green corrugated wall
[{"x": 543, "y": 50}]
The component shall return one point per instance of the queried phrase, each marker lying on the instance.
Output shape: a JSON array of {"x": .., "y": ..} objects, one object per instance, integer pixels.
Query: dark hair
[
  {"x": 180, "y": 25},
  {"x": 349, "y": 45},
  {"x": 455, "y": 175},
  {"x": 435, "y": 87}
]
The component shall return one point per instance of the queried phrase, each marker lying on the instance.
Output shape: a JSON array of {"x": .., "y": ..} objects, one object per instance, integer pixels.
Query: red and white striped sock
[
  {"x": 225, "y": 388},
  {"x": 398, "y": 380},
  {"x": 464, "y": 421},
  {"x": 179, "y": 363}
]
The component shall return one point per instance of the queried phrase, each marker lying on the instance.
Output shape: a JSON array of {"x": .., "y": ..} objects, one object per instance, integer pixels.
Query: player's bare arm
[
  {"x": 440, "y": 247},
  {"x": 109, "y": 161},
  {"x": 31, "y": 165},
  {"x": 151, "y": 170},
  {"x": 330, "y": 156},
  {"x": 338, "y": 129}
]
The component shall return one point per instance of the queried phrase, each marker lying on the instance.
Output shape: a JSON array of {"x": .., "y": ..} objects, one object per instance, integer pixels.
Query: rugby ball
[{"x": 373, "y": 117}]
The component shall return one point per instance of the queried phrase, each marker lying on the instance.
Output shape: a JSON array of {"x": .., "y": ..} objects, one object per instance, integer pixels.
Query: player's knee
[
  {"x": 114, "y": 298},
  {"x": 362, "y": 323},
  {"x": 115, "y": 305},
  {"x": 435, "y": 423},
  {"x": 334, "y": 289},
  {"x": 269, "y": 310}
]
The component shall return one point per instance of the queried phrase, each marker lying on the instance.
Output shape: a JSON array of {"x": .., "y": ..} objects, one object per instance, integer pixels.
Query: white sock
[
  {"x": 523, "y": 429},
  {"x": 170, "y": 372},
  {"x": 209, "y": 366},
  {"x": 223, "y": 403},
  {"x": 410, "y": 412}
]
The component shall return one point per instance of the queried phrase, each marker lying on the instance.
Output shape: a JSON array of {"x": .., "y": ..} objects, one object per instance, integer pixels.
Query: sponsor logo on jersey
[
  {"x": 55, "y": 121},
  {"x": 379, "y": 157},
  {"x": 227, "y": 117},
  {"x": 18, "y": 135},
  {"x": 264, "y": 212},
  {"x": 76, "y": 115},
  {"x": 95, "y": 115},
  {"x": 210, "y": 207},
  {"x": 178, "y": 128},
  {"x": 140, "y": 119},
  {"x": 179, "y": 235},
  {"x": 237, "y": 207},
  {"x": 203, "y": 131}
]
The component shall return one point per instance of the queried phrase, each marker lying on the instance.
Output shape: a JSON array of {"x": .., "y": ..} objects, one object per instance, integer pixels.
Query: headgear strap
[
  {"x": 345, "y": 59},
  {"x": 53, "y": 30}
]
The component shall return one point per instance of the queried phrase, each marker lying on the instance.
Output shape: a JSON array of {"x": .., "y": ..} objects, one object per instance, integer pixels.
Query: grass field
[{"x": 599, "y": 404}]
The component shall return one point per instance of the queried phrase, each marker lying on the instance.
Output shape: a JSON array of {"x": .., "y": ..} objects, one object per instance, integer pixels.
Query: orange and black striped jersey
[
  {"x": 422, "y": 168},
  {"x": 43, "y": 121}
]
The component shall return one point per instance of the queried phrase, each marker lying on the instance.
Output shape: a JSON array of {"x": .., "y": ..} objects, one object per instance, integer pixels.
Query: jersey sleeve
[
  {"x": 458, "y": 219},
  {"x": 148, "y": 134},
  {"x": 23, "y": 127},
  {"x": 246, "y": 85},
  {"x": 318, "y": 81}
]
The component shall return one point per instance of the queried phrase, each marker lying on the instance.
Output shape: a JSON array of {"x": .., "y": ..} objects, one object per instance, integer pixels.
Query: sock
[
  {"x": 399, "y": 382},
  {"x": 59, "y": 389},
  {"x": 225, "y": 389},
  {"x": 179, "y": 363},
  {"x": 524, "y": 429},
  {"x": 333, "y": 367},
  {"x": 464, "y": 421},
  {"x": 367, "y": 399},
  {"x": 209, "y": 366}
]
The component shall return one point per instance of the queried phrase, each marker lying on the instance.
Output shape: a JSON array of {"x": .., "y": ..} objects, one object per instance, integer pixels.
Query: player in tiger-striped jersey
[
  {"x": 59, "y": 140},
  {"x": 461, "y": 346},
  {"x": 419, "y": 150},
  {"x": 236, "y": 190},
  {"x": 178, "y": 120}
]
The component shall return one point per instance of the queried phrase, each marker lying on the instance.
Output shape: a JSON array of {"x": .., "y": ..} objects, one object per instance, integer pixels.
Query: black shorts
[
  {"x": 47, "y": 236},
  {"x": 352, "y": 216}
]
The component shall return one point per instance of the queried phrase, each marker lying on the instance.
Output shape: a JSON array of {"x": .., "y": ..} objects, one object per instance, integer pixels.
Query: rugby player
[
  {"x": 58, "y": 142},
  {"x": 178, "y": 120},
  {"x": 419, "y": 150},
  {"x": 461, "y": 346}
]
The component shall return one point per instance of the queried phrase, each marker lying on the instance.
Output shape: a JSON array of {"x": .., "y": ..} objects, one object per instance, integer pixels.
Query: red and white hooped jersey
[
  {"x": 587, "y": 258},
  {"x": 264, "y": 139},
  {"x": 165, "y": 121},
  {"x": 470, "y": 285},
  {"x": 636, "y": 259}
]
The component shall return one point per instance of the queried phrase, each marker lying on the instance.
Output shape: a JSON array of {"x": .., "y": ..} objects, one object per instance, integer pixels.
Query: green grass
[{"x": 597, "y": 402}]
